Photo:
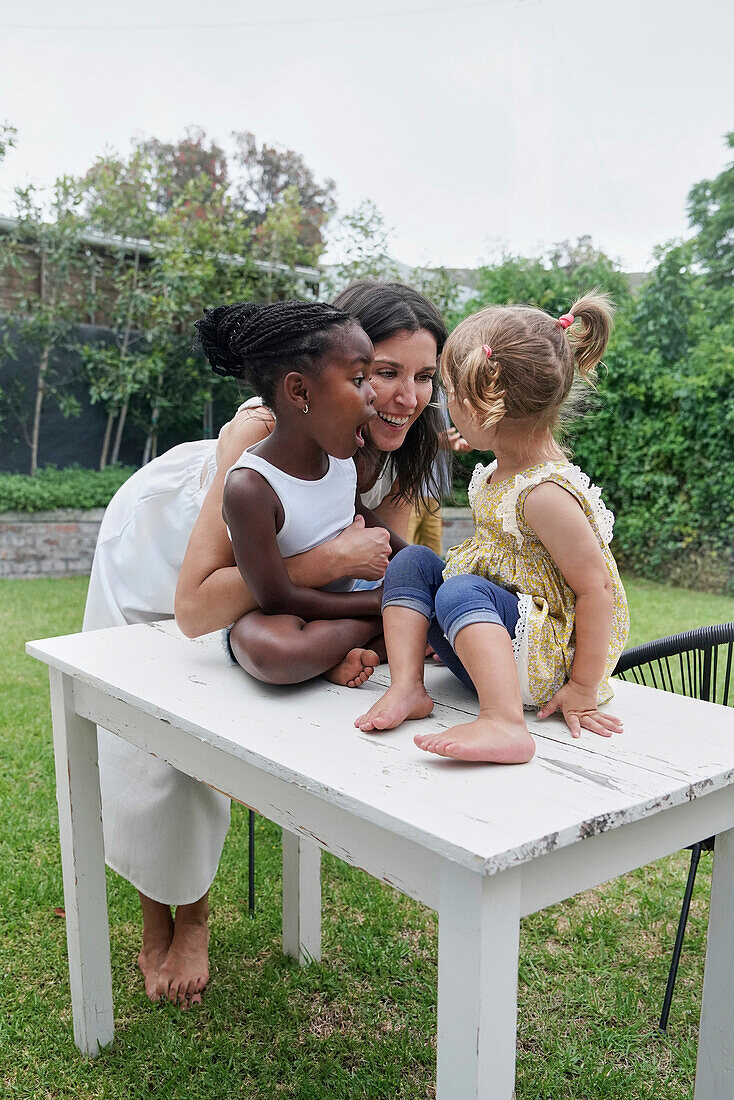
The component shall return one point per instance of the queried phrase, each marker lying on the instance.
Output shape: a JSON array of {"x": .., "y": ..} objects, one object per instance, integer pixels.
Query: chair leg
[
  {"x": 251, "y": 860},
  {"x": 682, "y": 922}
]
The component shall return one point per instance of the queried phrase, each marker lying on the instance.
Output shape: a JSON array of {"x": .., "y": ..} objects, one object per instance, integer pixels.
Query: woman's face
[{"x": 402, "y": 379}]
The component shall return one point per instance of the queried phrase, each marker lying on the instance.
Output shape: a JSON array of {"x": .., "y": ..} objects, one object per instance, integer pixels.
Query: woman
[{"x": 163, "y": 830}]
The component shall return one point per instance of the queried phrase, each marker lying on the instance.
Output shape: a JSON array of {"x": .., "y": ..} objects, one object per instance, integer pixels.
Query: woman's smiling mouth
[{"x": 394, "y": 421}]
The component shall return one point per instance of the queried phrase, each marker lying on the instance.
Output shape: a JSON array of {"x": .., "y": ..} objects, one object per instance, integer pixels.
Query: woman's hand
[
  {"x": 578, "y": 705},
  {"x": 365, "y": 551}
]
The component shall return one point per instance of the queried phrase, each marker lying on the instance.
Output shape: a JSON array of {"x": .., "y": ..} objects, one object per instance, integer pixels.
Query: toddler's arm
[{"x": 559, "y": 522}]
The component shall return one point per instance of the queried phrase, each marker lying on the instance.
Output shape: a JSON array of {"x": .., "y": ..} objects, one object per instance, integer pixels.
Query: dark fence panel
[{"x": 68, "y": 440}]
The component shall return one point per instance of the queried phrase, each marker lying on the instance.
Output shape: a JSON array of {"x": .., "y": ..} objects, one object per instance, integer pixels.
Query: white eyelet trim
[
  {"x": 480, "y": 475},
  {"x": 507, "y": 507},
  {"x": 520, "y": 647}
]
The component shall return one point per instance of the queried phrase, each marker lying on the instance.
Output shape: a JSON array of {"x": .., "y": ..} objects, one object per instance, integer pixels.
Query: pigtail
[
  {"x": 482, "y": 386},
  {"x": 593, "y": 315}
]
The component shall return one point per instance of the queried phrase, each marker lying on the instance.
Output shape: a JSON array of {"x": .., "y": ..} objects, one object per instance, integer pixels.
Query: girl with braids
[
  {"x": 395, "y": 468},
  {"x": 296, "y": 489},
  {"x": 164, "y": 831},
  {"x": 530, "y": 611}
]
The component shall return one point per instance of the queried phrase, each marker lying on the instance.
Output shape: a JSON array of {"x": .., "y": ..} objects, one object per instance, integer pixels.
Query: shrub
[{"x": 51, "y": 488}]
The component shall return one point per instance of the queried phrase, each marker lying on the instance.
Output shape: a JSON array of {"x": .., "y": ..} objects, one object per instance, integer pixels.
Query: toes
[
  {"x": 429, "y": 742},
  {"x": 162, "y": 986},
  {"x": 381, "y": 722},
  {"x": 177, "y": 991}
]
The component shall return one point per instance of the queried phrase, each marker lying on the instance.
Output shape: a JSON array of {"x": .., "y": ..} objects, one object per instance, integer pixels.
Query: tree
[
  {"x": 176, "y": 164},
  {"x": 119, "y": 195},
  {"x": 46, "y": 308},
  {"x": 360, "y": 239},
  {"x": 711, "y": 213},
  {"x": 552, "y": 280},
  {"x": 267, "y": 172},
  {"x": 8, "y": 135},
  {"x": 201, "y": 255},
  {"x": 666, "y": 303}
]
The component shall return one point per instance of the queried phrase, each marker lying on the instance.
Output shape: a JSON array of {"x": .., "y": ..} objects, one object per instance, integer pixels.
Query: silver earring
[{"x": 305, "y": 408}]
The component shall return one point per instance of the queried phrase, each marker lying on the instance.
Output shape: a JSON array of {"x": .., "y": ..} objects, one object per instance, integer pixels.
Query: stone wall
[
  {"x": 61, "y": 543},
  {"x": 457, "y": 526},
  {"x": 48, "y": 544}
]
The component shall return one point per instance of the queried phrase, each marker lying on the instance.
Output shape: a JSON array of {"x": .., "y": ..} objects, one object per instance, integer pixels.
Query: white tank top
[
  {"x": 370, "y": 497},
  {"x": 315, "y": 511}
]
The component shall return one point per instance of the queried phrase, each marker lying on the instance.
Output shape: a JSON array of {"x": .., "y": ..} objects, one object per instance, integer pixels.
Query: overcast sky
[{"x": 473, "y": 126}]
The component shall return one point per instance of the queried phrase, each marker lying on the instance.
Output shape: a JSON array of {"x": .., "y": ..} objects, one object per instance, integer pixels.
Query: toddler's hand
[
  {"x": 451, "y": 440},
  {"x": 365, "y": 551},
  {"x": 579, "y": 709}
]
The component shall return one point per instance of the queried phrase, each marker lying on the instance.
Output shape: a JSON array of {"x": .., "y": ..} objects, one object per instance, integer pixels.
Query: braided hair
[{"x": 259, "y": 343}]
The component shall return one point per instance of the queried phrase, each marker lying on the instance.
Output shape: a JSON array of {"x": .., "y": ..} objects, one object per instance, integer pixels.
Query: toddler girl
[{"x": 530, "y": 611}]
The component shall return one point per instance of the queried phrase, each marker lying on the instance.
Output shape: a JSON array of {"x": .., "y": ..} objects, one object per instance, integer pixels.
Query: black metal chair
[{"x": 697, "y": 663}]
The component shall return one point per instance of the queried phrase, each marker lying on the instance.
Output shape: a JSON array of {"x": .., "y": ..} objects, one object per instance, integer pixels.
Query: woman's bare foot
[
  {"x": 399, "y": 703},
  {"x": 182, "y": 977},
  {"x": 355, "y": 669},
  {"x": 157, "y": 937},
  {"x": 488, "y": 739}
]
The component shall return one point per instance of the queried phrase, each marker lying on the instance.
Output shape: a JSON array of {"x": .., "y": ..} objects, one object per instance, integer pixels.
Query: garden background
[
  {"x": 100, "y": 280},
  {"x": 102, "y": 276}
]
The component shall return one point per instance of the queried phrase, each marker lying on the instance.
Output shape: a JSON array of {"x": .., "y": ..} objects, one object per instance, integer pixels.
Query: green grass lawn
[{"x": 362, "y": 1023}]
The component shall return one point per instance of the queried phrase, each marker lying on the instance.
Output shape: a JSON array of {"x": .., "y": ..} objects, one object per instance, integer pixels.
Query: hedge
[{"x": 51, "y": 488}]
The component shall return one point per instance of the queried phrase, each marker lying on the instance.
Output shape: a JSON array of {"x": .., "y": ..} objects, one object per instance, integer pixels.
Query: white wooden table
[{"x": 483, "y": 845}]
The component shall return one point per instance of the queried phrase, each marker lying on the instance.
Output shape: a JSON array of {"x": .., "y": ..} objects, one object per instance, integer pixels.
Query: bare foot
[
  {"x": 185, "y": 971},
  {"x": 150, "y": 960},
  {"x": 492, "y": 740},
  {"x": 157, "y": 937},
  {"x": 355, "y": 669},
  {"x": 400, "y": 702}
]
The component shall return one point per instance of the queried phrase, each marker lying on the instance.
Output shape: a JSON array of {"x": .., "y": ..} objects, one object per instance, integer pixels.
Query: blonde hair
[{"x": 534, "y": 360}]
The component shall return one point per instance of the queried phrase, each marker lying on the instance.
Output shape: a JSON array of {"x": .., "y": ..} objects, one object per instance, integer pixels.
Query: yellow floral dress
[{"x": 505, "y": 550}]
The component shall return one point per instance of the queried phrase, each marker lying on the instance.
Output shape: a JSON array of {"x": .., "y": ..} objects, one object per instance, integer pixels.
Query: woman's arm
[
  {"x": 559, "y": 522},
  {"x": 253, "y": 512},
  {"x": 211, "y": 592},
  {"x": 394, "y": 514}
]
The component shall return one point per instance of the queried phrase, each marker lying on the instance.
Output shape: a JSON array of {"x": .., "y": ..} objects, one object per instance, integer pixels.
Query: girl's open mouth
[{"x": 359, "y": 436}]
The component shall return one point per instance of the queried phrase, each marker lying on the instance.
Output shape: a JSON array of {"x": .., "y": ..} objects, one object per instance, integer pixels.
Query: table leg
[
  {"x": 301, "y": 898},
  {"x": 715, "y": 1066},
  {"x": 82, "y": 862},
  {"x": 478, "y": 943}
]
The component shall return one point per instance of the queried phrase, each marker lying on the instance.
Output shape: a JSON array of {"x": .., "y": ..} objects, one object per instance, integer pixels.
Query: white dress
[{"x": 163, "y": 831}]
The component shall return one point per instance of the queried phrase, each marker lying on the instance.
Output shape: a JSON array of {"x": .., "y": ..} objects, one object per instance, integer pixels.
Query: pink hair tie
[
  {"x": 487, "y": 350},
  {"x": 566, "y": 320}
]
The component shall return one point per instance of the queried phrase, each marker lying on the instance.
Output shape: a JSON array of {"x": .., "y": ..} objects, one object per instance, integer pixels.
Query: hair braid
[{"x": 257, "y": 342}]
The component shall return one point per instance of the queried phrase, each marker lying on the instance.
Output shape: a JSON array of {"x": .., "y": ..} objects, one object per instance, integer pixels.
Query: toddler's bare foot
[
  {"x": 488, "y": 739},
  {"x": 185, "y": 971},
  {"x": 400, "y": 702},
  {"x": 355, "y": 669},
  {"x": 157, "y": 937}
]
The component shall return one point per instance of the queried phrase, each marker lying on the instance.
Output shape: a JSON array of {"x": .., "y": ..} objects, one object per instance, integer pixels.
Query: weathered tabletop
[{"x": 482, "y": 844}]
